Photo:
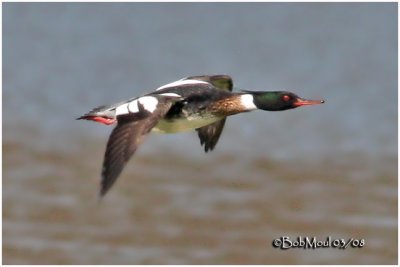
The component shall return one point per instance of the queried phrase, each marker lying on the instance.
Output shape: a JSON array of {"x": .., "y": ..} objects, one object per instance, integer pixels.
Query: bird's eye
[{"x": 285, "y": 98}]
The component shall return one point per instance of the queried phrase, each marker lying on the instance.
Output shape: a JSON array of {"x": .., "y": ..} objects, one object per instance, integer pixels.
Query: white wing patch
[
  {"x": 127, "y": 108},
  {"x": 149, "y": 103},
  {"x": 122, "y": 109},
  {"x": 180, "y": 83},
  {"x": 133, "y": 106},
  {"x": 171, "y": 94}
]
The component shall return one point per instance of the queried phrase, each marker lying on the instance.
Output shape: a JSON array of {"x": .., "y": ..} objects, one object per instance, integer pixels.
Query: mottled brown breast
[{"x": 227, "y": 106}]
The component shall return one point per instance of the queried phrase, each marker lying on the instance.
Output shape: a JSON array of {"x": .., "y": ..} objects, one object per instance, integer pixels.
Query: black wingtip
[
  {"x": 208, "y": 148},
  {"x": 104, "y": 187}
]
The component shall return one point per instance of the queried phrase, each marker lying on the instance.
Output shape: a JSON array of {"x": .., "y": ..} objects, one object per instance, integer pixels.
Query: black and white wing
[{"x": 135, "y": 121}]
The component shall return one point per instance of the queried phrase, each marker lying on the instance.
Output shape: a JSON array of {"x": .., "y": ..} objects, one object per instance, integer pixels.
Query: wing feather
[
  {"x": 209, "y": 135},
  {"x": 124, "y": 141}
]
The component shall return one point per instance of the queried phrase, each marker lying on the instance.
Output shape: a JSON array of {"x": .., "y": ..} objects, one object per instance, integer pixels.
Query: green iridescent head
[{"x": 279, "y": 100}]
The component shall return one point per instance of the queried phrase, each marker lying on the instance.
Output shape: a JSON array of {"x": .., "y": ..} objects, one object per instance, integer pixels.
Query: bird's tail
[{"x": 101, "y": 114}]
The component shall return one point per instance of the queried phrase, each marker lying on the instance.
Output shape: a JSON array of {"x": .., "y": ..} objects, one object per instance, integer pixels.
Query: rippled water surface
[{"x": 319, "y": 171}]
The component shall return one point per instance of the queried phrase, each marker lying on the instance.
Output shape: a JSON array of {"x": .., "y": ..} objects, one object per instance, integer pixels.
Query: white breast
[{"x": 183, "y": 125}]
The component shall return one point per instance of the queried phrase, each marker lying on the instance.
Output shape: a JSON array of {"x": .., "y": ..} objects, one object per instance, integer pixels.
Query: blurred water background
[{"x": 328, "y": 170}]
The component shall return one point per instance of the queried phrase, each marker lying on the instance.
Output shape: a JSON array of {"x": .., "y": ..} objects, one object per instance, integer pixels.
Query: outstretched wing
[
  {"x": 125, "y": 139},
  {"x": 209, "y": 135}
]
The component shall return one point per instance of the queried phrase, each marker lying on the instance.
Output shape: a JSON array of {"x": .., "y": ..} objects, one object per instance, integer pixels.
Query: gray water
[{"x": 316, "y": 171}]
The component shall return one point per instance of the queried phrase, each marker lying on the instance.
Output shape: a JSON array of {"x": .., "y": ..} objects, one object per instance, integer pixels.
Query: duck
[{"x": 201, "y": 103}]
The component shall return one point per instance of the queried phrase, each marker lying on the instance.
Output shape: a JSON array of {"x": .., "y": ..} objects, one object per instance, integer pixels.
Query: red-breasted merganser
[{"x": 197, "y": 102}]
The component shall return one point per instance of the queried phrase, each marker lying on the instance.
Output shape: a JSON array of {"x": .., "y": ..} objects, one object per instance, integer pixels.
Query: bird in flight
[{"x": 199, "y": 103}]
